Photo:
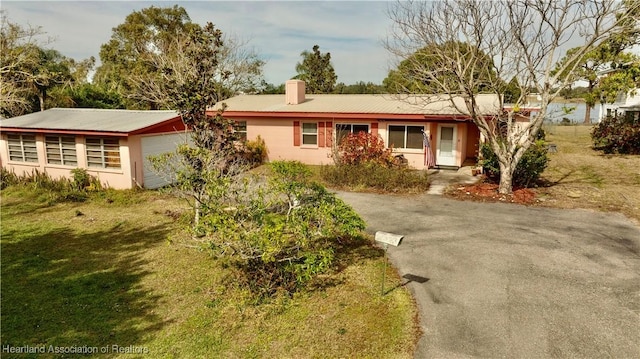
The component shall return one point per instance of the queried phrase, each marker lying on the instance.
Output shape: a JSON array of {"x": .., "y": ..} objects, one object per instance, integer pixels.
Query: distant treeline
[{"x": 359, "y": 87}]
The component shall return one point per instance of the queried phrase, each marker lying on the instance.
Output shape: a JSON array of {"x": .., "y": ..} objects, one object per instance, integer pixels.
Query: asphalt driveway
[{"x": 513, "y": 281}]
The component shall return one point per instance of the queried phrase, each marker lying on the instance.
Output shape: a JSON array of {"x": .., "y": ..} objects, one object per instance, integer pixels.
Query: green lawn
[{"x": 118, "y": 270}]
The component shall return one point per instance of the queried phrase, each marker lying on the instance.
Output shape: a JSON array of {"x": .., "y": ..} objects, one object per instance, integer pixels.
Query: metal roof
[
  {"x": 85, "y": 119},
  {"x": 362, "y": 104}
]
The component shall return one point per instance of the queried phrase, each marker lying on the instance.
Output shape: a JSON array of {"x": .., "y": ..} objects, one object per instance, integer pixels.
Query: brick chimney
[{"x": 294, "y": 92}]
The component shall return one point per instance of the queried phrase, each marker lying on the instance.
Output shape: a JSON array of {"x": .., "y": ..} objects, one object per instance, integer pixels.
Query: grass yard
[
  {"x": 580, "y": 177},
  {"x": 115, "y": 270}
]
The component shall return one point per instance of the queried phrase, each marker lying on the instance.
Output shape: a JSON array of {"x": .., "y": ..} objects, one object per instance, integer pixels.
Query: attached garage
[{"x": 154, "y": 145}]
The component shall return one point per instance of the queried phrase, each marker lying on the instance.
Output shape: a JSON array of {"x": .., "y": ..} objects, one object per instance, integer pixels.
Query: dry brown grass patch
[{"x": 580, "y": 177}]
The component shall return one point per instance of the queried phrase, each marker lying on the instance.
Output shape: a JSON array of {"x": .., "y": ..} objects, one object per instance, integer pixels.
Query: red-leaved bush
[
  {"x": 617, "y": 135},
  {"x": 359, "y": 148}
]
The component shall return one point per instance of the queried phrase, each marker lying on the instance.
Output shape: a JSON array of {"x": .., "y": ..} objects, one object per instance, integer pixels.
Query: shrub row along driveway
[{"x": 513, "y": 281}]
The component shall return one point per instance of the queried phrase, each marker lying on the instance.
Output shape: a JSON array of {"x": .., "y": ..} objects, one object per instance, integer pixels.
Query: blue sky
[{"x": 352, "y": 31}]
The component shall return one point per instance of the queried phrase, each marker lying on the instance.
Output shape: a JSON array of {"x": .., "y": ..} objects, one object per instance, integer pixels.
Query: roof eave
[
  {"x": 156, "y": 125},
  {"x": 353, "y": 116},
  {"x": 62, "y": 131}
]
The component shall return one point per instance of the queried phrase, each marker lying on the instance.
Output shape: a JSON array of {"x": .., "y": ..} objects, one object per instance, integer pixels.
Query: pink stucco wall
[
  {"x": 466, "y": 143},
  {"x": 135, "y": 161},
  {"x": 114, "y": 178},
  {"x": 279, "y": 135}
]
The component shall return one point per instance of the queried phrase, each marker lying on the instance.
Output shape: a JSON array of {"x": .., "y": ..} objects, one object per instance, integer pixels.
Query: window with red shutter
[{"x": 296, "y": 133}]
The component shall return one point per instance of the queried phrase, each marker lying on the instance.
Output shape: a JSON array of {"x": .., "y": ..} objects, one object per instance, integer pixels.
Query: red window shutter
[
  {"x": 321, "y": 134},
  {"x": 328, "y": 139},
  {"x": 374, "y": 128},
  {"x": 296, "y": 133}
]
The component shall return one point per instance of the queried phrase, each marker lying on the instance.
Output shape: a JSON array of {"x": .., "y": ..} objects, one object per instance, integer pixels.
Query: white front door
[{"x": 446, "y": 151}]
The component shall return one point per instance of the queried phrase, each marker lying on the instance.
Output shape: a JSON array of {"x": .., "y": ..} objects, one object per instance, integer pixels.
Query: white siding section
[{"x": 155, "y": 145}]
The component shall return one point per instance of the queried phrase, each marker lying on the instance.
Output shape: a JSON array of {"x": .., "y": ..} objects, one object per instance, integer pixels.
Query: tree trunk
[
  {"x": 41, "y": 98},
  {"x": 587, "y": 114},
  {"x": 589, "y": 103},
  {"x": 196, "y": 215},
  {"x": 506, "y": 178}
]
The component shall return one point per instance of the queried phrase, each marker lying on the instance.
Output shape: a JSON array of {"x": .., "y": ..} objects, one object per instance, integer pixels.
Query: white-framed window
[
  {"x": 22, "y": 147},
  {"x": 406, "y": 136},
  {"x": 61, "y": 150},
  {"x": 103, "y": 152},
  {"x": 241, "y": 130},
  {"x": 309, "y": 133},
  {"x": 343, "y": 129}
]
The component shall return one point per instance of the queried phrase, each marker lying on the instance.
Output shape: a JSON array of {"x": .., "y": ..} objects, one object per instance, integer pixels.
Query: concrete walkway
[
  {"x": 441, "y": 179},
  {"x": 501, "y": 280}
]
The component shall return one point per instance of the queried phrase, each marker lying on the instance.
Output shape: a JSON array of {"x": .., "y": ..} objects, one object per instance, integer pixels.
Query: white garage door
[{"x": 155, "y": 145}]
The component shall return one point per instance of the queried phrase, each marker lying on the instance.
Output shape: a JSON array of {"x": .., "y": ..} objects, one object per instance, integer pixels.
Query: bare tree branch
[{"x": 462, "y": 48}]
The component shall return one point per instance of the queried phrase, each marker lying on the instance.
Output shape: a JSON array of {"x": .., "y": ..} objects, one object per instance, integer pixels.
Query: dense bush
[
  {"x": 362, "y": 147},
  {"x": 255, "y": 151},
  {"x": 7, "y": 178},
  {"x": 528, "y": 170},
  {"x": 53, "y": 190},
  {"x": 81, "y": 179},
  {"x": 36, "y": 179},
  {"x": 375, "y": 177},
  {"x": 617, "y": 135},
  {"x": 363, "y": 162},
  {"x": 281, "y": 235},
  {"x": 56, "y": 190}
]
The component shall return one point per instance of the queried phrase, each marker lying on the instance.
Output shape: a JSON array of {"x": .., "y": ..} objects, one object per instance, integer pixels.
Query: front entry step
[{"x": 443, "y": 167}]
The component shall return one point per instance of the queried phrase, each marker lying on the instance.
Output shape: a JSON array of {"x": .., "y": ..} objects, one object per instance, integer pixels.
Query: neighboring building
[
  {"x": 296, "y": 126},
  {"x": 626, "y": 104},
  {"x": 111, "y": 144},
  {"x": 526, "y": 112}
]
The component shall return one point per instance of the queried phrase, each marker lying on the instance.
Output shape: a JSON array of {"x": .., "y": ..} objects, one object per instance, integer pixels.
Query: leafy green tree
[
  {"x": 203, "y": 168},
  {"x": 151, "y": 40},
  {"x": 623, "y": 78},
  {"x": 145, "y": 32},
  {"x": 588, "y": 68},
  {"x": 59, "y": 78},
  {"x": 573, "y": 92},
  {"x": 87, "y": 95},
  {"x": 317, "y": 71},
  {"x": 410, "y": 75},
  {"x": 359, "y": 87},
  {"x": 51, "y": 70},
  {"x": 28, "y": 69},
  {"x": 35, "y": 77},
  {"x": 280, "y": 234},
  {"x": 20, "y": 52},
  {"x": 77, "y": 91},
  {"x": 271, "y": 89},
  {"x": 512, "y": 91},
  {"x": 609, "y": 53}
]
